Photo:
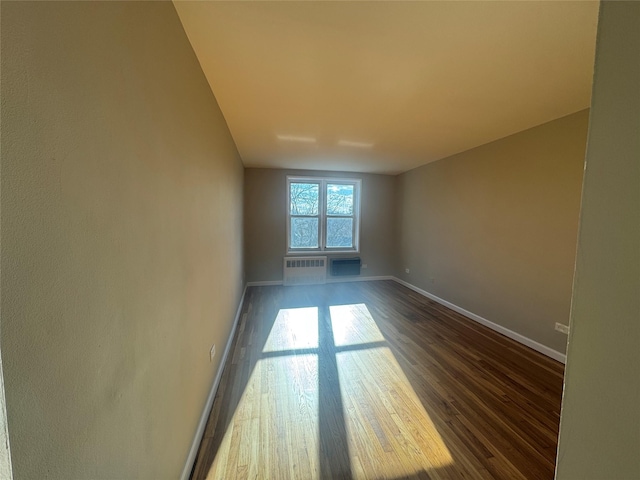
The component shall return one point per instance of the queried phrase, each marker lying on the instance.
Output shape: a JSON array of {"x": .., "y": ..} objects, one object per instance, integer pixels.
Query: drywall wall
[
  {"x": 600, "y": 421},
  {"x": 493, "y": 229},
  {"x": 266, "y": 221},
  {"x": 121, "y": 238}
]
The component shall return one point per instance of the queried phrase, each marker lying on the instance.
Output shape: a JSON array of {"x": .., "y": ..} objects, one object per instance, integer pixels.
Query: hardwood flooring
[{"x": 370, "y": 380}]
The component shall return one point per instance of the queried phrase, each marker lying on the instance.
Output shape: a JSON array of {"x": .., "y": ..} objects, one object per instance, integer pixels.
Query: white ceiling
[{"x": 385, "y": 87}]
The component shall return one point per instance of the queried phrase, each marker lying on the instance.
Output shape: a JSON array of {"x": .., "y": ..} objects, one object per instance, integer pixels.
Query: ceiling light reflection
[
  {"x": 349, "y": 143},
  {"x": 296, "y": 138}
]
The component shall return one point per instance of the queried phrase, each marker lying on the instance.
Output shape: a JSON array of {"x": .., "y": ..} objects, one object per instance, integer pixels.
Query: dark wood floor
[{"x": 371, "y": 380}]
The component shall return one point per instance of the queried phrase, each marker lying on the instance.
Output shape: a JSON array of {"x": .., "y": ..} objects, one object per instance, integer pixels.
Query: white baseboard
[
  {"x": 358, "y": 279},
  {"x": 549, "y": 352},
  {"x": 264, "y": 283},
  {"x": 186, "y": 471}
]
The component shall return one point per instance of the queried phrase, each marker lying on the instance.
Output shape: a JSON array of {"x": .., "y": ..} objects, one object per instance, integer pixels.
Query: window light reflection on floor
[
  {"x": 353, "y": 324},
  {"x": 281, "y": 395},
  {"x": 380, "y": 404},
  {"x": 293, "y": 329},
  {"x": 388, "y": 433}
]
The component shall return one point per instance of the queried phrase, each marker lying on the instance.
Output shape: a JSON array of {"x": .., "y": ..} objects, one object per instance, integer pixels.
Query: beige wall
[
  {"x": 493, "y": 230},
  {"x": 121, "y": 238},
  {"x": 266, "y": 222},
  {"x": 600, "y": 423}
]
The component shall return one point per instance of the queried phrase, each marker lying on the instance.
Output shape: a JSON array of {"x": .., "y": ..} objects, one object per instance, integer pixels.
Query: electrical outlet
[
  {"x": 364, "y": 265},
  {"x": 406, "y": 270},
  {"x": 433, "y": 280},
  {"x": 562, "y": 328},
  {"x": 212, "y": 352}
]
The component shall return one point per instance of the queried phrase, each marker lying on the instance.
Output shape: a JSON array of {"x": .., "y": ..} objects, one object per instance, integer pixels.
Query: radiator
[{"x": 305, "y": 270}]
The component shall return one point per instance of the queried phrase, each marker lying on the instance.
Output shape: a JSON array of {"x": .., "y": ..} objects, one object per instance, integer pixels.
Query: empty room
[{"x": 308, "y": 239}]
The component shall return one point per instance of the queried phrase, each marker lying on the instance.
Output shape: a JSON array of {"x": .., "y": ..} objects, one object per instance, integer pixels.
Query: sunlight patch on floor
[
  {"x": 383, "y": 414},
  {"x": 353, "y": 325},
  {"x": 277, "y": 425},
  {"x": 293, "y": 329},
  {"x": 281, "y": 396}
]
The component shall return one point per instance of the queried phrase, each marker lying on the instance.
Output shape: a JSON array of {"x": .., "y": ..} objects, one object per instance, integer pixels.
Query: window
[{"x": 323, "y": 214}]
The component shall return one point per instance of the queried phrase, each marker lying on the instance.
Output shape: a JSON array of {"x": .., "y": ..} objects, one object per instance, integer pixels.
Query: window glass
[
  {"x": 304, "y": 232},
  {"x": 304, "y": 198},
  {"x": 339, "y": 199},
  {"x": 339, "y": 232}
]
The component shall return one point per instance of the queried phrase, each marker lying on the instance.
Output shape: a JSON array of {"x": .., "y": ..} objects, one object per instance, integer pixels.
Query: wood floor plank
[{"x": 369, "y": 380}]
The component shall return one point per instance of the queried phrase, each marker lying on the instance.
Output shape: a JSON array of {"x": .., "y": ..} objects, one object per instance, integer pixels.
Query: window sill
[{"x": 320, "y": 252}]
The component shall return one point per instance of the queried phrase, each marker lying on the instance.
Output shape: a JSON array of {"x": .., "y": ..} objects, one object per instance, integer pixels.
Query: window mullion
[
  {"x": 323, "y": 218},
  {"x": 354, "y": 241}
]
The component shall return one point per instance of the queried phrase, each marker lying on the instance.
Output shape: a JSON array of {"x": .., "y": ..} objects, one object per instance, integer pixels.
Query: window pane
[
  {"x": 339, "y": 232},
  {"x": 304, "y": 232},
  {"x": 304, "y": 198},
  {"x": 339, "y": 199}
]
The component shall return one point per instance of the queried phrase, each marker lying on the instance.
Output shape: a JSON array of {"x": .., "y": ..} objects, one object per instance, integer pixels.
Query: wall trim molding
[
  {"x": 193, "y": 451},
  {"x": 264, "y": 283},
  {"x": 358, "y": 279},
  {"x": 549, "y": 352}
]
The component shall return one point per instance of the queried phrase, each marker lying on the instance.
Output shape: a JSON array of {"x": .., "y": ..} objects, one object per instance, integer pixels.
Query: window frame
[{"x": 323, "y": 216}]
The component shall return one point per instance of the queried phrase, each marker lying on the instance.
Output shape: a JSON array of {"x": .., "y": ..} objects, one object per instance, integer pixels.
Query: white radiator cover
[{"x": 305, "y": 270}]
